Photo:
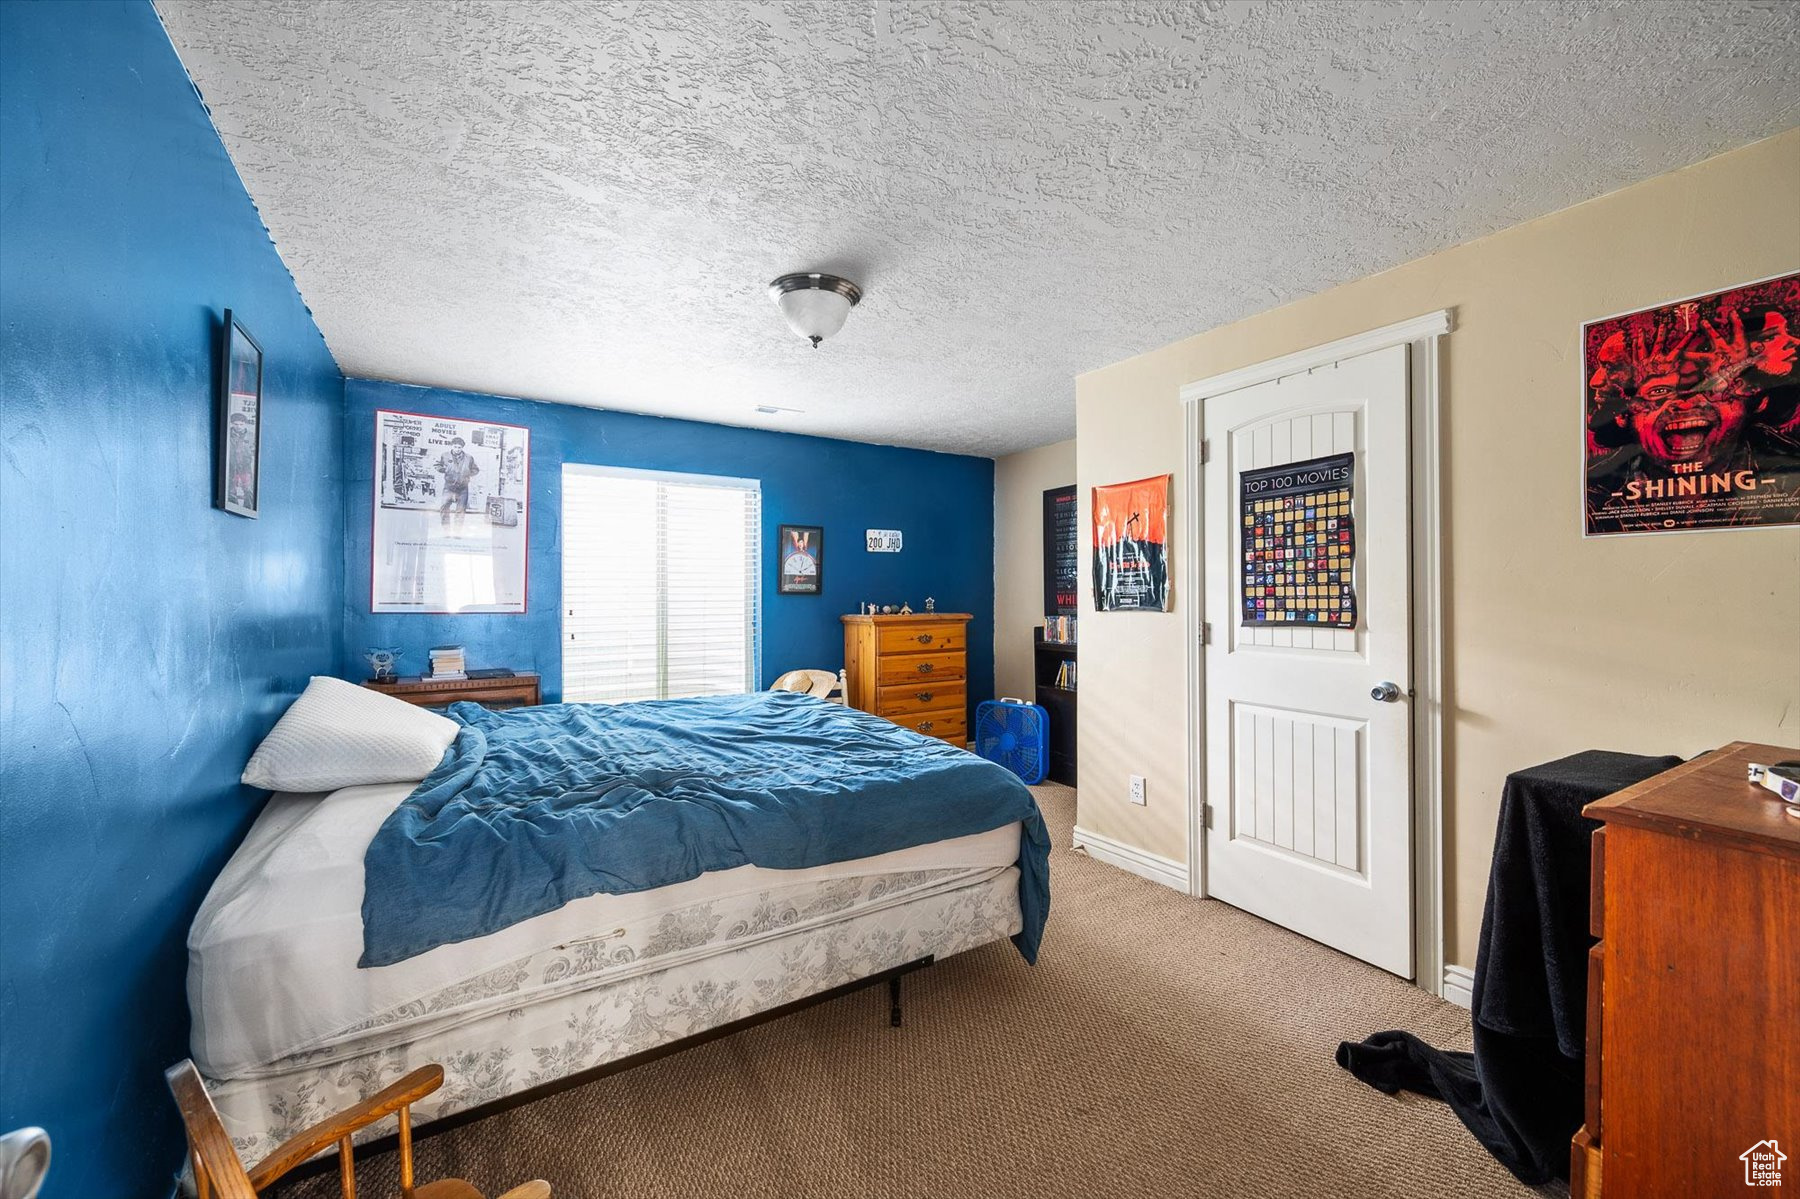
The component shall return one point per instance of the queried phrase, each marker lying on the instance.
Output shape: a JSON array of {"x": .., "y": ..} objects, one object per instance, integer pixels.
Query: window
[{"x": 659, "y": 584}]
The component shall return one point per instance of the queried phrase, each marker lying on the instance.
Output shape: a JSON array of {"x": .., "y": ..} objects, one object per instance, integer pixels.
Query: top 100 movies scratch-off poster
[
  {"x": 1693, "y": 413},
  {"x": 452, "y": 515},
  {"x": 1298, "y": 542}
]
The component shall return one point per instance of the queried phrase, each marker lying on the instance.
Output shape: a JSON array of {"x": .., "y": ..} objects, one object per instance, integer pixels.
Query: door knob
[{"x": 1387, "y": 693}]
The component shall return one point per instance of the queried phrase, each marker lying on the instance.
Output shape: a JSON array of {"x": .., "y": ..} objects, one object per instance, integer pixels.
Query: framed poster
[
  {"x": 1131, "y": 546},
  {"x": 1298, "y": 543},
  {"x": 1062, "y": 544},
  {"x": 452, "y": 515},
  {"x": 1692, "y": 413},
  {"x": 800, "y": 552},
  {"x": 237, "y": 487}
]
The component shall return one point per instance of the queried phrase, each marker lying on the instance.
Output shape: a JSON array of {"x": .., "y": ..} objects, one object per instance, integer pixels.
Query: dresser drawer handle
[
  {"x": 925, "y": 726},
  {"x": 925, "y": 639},
  {"x": 926, "y": 668},
  {"x": 925, "y": 696}
]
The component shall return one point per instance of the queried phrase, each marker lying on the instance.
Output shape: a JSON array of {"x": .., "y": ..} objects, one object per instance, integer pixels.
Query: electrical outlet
[{"x": 1137, "y": 790}]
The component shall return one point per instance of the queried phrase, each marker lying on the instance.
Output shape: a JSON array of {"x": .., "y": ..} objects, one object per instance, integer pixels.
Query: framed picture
[
  {"x": 800, "y": 559},
  {"x": 238, "y": 419},
  {"x": 451, "y": 515}
]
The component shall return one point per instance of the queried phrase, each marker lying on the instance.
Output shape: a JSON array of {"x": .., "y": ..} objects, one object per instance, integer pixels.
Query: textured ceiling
[{"x": 582, "y": 202}]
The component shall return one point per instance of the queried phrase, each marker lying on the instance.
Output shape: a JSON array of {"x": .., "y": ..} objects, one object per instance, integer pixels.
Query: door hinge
[
  {"x": 1207, "y": 815},
  {"x": 1205, "y": 450},
  {"x": 1205, "y": 632}
]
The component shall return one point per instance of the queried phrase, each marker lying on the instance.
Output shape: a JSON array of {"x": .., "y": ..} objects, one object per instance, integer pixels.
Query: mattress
[
  {"x": 275, "y": 990},
  {"x": 511, "y": 1049}
]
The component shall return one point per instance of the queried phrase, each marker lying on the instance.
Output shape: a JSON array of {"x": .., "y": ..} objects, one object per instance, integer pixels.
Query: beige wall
[
  {"x": 1020, "y": 481},
  {"x": 1650, "y": 644}
]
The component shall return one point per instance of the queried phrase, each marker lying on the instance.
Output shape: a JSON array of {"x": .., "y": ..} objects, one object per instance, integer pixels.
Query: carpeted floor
[{"x": 1163, "y": 1046}]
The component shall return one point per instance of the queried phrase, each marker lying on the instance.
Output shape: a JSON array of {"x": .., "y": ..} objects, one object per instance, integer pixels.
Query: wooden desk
[
  {"x": 519, "y": 691},
  {"x": 1693, "y": 1032}
]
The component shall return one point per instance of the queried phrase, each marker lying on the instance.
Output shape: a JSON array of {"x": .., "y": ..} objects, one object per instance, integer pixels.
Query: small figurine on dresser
[{"x": 382, "y": 662}]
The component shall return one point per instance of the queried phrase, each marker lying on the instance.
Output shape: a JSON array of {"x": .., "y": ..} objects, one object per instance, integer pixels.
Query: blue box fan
[{"x": 1016, "y": 735}]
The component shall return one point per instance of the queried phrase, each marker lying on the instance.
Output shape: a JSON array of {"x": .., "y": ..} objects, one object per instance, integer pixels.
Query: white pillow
[{"x": 340, "y": 735}]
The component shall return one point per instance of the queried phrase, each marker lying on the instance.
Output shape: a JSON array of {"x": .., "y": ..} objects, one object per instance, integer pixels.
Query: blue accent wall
[
  {"x": 148, "y": 640},
  {"x": 942, "y": 503}
]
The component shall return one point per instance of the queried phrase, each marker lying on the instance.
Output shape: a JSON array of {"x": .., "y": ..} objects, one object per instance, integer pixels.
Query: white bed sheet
[{"x": 273, "y": 950}]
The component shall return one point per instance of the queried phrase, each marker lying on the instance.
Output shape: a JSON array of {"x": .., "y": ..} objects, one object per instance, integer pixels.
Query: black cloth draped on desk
[{"x": 1520, "y": 1092}]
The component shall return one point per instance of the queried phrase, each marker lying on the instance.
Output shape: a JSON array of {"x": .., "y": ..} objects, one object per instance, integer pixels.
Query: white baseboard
[
  {"x": 1459, "y": 985},
  {"x": 1140, "y": 862}
]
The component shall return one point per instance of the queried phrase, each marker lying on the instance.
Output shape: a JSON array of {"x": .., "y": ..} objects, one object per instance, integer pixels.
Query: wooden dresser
[
  {"x": 1693, "y": 1027},
  {"x": 518, "y": 691},
  {"x": 914, "y": 670}
]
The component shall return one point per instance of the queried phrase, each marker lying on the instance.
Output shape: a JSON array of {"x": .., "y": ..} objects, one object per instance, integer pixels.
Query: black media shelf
[{"x": 1048, "y": 657}]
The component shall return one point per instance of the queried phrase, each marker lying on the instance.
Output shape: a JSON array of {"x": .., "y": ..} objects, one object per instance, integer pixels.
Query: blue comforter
[{"x": 539, "y": 806}]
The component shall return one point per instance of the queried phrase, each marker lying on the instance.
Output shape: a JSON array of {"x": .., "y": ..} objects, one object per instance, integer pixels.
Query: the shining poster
[
  {"x": 1693, "y": 413},
  {"x": 1299, "y": 543},
  {"x": 1131, "y": 546},
  {"x": 451, "y": 515}
]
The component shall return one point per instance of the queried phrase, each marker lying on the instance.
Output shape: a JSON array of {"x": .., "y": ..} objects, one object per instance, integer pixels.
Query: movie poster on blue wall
[{"x": 452, "y": 515}]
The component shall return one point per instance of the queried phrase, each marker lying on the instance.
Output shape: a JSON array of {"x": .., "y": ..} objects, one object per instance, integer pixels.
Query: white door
[{"x": 1307, "y": 748}]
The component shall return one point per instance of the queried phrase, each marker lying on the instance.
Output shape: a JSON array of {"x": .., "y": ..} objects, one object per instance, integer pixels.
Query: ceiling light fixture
[{"x": 815, "y": 305}]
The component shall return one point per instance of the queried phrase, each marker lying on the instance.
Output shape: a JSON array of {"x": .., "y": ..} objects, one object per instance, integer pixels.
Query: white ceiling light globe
[{"x": 814, "y": 304}]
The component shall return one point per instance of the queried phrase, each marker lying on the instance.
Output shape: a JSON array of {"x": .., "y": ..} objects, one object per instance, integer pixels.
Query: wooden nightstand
[{"x": 519, "y": 691}]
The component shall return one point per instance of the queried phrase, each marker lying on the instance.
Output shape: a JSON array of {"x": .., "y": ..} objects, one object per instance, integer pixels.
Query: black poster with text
[
  {"x": 1299, "y": 543},
  {"x": 1062, "y": 544}
]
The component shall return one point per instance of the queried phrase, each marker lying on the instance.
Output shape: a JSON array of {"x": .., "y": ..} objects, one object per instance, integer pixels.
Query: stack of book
[
  {"x": 448, "y": 662},
  {"x": 1059, "y": 630}
]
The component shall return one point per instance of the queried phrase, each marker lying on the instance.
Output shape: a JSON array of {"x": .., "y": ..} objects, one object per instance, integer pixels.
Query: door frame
[{"x": 1423, "y": 334}]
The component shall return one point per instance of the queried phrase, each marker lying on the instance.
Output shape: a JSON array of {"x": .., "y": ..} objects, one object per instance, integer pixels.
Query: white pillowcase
[{"x": 340, "y": 735}]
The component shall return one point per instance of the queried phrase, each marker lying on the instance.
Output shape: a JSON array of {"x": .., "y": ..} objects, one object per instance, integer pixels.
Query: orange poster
[{"x": 1131, "y": 546}]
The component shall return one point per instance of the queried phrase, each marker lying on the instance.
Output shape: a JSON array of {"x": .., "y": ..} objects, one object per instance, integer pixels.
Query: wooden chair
[{"x": 219, "y": 1174}]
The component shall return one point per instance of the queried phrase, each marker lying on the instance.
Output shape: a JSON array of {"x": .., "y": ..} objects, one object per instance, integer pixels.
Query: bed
[{"x": 288, "y": 1026}]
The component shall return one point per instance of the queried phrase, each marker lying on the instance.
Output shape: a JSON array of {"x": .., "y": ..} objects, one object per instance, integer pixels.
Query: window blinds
[{"x": 659, "y": 584}]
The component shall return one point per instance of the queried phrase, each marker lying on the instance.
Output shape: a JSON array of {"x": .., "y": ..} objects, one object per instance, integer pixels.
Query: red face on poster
[{"x": 1693, "y": 413}]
